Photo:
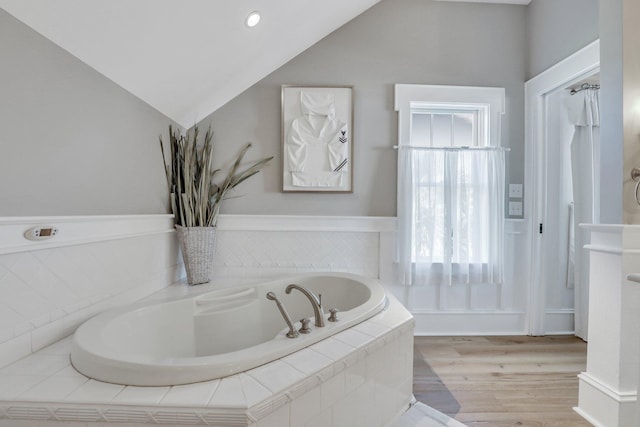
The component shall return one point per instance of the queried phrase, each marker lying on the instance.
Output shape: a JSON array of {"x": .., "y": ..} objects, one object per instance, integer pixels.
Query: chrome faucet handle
[
  {"x": 292, "y": 331},
  {"x": 318, "y": 313},
  {"x": 305, "y": 329},
  {"x": 333, "y": 317}
]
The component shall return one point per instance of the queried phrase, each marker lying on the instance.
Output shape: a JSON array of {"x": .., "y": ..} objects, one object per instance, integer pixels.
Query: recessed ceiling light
[{"x": 252, "y": 19}]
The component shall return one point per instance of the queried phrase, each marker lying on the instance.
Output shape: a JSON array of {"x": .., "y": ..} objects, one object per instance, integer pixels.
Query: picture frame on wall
[{"x": 317, "y": 139}]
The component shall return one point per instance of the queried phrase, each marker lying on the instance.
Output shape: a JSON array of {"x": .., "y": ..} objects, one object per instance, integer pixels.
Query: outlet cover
[
  {"x": 515, "y": 191},
  {"x": 515, "y": 208}
]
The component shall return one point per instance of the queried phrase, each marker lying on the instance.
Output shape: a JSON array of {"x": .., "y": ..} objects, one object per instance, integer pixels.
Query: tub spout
[
  {"x": 292, "y": 331},
  {"x": 315, "y": 303}
]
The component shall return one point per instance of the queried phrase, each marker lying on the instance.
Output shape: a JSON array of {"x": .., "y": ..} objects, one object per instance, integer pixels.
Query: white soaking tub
[{"x": 218, "y": 333}]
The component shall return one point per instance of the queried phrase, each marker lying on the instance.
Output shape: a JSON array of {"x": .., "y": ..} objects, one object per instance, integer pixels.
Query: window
[
  {"x": 448, "y": 126},
  {"x": 450, "y": 184}
]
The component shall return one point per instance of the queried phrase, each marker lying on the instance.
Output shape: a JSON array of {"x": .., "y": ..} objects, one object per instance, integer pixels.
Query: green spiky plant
[{"x": 195, "y": 197}]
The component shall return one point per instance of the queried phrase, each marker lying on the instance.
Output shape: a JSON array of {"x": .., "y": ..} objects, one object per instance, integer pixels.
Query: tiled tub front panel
[{"x": 359, "y": 377}]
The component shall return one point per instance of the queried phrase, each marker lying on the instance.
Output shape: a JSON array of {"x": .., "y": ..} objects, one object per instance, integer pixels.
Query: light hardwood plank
[{"x": 501, "y": 381}]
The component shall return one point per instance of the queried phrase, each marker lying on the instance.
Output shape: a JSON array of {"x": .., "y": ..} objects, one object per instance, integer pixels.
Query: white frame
[
  {"x": 408, "y": 94},
  {"x": 582, "y": 63},
  {"x": 343, "y": 96}
]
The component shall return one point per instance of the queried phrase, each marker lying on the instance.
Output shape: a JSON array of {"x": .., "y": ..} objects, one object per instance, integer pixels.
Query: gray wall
[
  {"x": 397, "y": 41},
  {"x": 558, "y": 28},
  {"x": 72, "y": 141},
  {"x": 75, "y": 143}
]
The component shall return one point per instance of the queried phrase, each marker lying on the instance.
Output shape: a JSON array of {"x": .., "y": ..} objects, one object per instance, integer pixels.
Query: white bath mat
[{"x": 421, "y": 415}]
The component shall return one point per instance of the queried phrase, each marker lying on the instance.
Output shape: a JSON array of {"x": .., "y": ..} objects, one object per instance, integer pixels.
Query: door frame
[{"x": 582, "y": 63}]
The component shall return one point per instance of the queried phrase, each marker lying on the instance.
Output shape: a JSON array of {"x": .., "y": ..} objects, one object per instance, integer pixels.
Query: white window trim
[{"x": 408, "y": 94}]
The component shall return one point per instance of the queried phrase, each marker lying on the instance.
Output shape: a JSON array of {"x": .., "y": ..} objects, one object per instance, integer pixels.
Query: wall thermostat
[{"x": 40, "y": 233}]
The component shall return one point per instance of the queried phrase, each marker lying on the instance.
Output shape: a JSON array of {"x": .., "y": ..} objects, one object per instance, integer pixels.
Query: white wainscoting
[
  {"x": 49, "y": 287},
  {"x": 269, "y": 245}
]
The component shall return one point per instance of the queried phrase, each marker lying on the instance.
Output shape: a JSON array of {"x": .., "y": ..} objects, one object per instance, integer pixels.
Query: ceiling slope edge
[{"x": 186, "y": 72}]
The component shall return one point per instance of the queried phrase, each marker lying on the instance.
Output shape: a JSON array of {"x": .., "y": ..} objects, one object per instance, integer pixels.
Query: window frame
[{"x": 408, "y": 96}]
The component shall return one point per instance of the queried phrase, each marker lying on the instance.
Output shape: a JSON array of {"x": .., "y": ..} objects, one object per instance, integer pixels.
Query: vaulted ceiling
[{"x": 186, "y": 58}]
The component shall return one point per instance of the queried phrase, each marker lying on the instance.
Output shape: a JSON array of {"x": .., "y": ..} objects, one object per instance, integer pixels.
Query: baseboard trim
[
  {"x": 587, "y": 417},
  {"x": 468, "y": 323},
  {"x": 559, "y": 322},
  {"x": 602, "y": 405},
  {"x": 620, "y": 397}
]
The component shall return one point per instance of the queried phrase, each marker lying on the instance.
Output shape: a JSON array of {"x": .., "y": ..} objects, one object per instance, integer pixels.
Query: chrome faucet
[
  {"x": 292, "y": 331},
  {"x": 315, "y": 303}
]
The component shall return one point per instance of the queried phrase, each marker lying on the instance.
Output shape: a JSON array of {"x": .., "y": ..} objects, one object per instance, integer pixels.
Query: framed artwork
[{"x": 317, "y": 139}]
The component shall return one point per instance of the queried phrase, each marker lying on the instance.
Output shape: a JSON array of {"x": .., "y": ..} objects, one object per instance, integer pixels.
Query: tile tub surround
[
  {"x": 361, "y": 376},
  {"x": 94, "y": 263}
]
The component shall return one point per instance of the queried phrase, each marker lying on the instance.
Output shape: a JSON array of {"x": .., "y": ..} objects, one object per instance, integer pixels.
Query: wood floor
[{"x": 501, "y": 381}]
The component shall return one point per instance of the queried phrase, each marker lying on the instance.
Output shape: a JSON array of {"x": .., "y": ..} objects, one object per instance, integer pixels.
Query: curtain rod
[
  {"x": 584, "y": 86},
  {"x": 418, "y": 147}
]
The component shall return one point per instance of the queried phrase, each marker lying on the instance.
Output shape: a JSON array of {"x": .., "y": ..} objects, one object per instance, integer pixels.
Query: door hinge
[{"x": 540, "y": 229}]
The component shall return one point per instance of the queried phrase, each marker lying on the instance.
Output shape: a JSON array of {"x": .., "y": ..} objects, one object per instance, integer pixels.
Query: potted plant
[{"x": 196, "y": 198}]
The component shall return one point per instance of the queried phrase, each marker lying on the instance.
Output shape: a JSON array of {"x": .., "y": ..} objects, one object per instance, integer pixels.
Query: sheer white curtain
[
  {"x": 451, "y": 209},
  {"x": 584, "y": 114}
]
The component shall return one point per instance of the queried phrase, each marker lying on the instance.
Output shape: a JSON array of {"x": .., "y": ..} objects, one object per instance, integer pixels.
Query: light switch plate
[
  {"x": 515, "y": 191},
  {"x": 515, "y": 208}
]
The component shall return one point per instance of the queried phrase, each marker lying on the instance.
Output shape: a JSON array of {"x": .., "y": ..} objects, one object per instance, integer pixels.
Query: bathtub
[{"x": 216, "y": 333}]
